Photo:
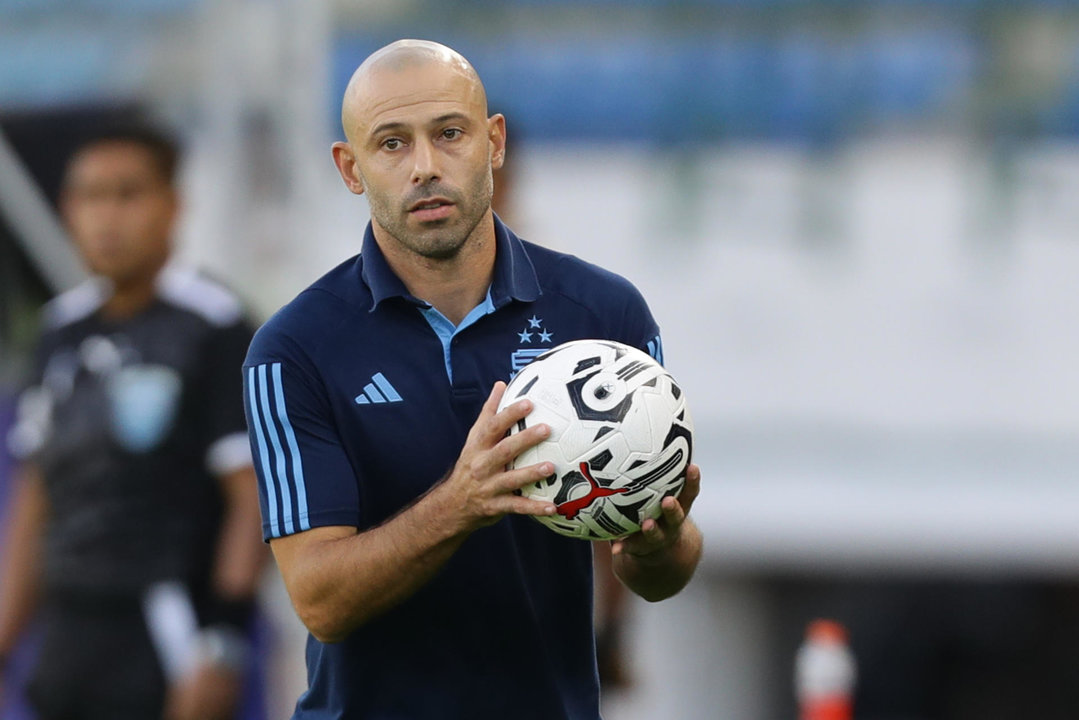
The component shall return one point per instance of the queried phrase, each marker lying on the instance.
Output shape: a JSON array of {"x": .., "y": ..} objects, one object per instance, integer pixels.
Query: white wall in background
[{"x": 879, "y": 346}]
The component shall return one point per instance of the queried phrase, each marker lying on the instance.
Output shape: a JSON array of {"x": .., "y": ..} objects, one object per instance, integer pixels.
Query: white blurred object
[
  {"x": 825, "y": 673},
  {"x": 173, "y": 627}
]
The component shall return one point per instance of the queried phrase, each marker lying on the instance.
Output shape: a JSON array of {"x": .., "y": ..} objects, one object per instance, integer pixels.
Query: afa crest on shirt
[
  {"x": 533, "y": 340},
  {"x": 143, "y": 400}
]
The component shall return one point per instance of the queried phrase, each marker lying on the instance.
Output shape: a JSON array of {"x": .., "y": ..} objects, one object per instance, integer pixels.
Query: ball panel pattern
[{"x": 621, "y": 436}]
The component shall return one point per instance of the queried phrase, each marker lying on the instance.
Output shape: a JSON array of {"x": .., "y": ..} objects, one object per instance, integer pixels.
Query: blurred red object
[{"x": 825, "y": 673}]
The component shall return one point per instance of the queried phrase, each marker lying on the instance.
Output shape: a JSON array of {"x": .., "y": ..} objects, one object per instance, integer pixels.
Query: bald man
[{"x": 371, "y": 401}]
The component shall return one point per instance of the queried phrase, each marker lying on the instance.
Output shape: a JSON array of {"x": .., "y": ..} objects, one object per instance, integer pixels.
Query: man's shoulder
[
  {"x": 190, "y": 291},
  {"x": 579, "y": 280},
  {"x": 184, "y": 289},
  {"x": 303, "y": 324},
  {"x": 71, "y": 306}
]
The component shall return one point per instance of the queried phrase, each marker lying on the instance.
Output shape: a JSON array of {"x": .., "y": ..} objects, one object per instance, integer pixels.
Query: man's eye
[
  {"x": 391, "y": 144},
  {"x": 451, "y": 133}
]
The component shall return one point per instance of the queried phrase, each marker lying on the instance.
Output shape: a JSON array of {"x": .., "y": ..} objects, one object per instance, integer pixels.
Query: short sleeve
[
  {"x": 639, "y": 327},
  {"x": 305, "y": 477},
  {"x": 30, "y": 429},
  {"x": 223, "y": 416},
  {"x": 33, "y": 410}
]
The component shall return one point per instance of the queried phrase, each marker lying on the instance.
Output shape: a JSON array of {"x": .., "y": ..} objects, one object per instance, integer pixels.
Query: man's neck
[
  {"x": 453, "y": 286},
  {"x": 130, "y": 297}
]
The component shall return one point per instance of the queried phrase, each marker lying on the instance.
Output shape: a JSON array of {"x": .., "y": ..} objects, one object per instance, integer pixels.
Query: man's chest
[
  {"x": 116, "y": 385},
  {"x": 407, "y": 396},
  {"x": 408, "y": 367}
]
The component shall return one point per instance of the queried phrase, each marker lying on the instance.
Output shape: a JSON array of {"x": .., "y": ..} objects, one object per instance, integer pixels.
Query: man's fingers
[
  {"x": 495, "y": 427},
  {"x": 510, "y": 447},
  {"x": 520, "y": 477},
  {"x": 518, "y": 505},
  {"x": 673, "y": 513},
  {"x": 486, "y": 425},
  {"x": 693, "y": 474},
  {"x": 650, "y": 538},
  {"x": 491, "y": 405},
  {"x": 655, "y": 533},
  {"x": 691, "y": 489}
]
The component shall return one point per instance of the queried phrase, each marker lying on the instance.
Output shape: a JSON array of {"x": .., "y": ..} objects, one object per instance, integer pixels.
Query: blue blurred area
[
  {"x": 66, "y": 52},
  {"x": 63, "y": 66},
  {"x": 653, "y": 71},
  {"x": 131, "y": 7},
  {"x": 1062, "y": 118},
  {"x": 796, "y": 86}
]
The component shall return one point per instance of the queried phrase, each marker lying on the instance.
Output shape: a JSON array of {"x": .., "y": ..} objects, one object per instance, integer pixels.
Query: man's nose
[{"x": 424, "y": 163}]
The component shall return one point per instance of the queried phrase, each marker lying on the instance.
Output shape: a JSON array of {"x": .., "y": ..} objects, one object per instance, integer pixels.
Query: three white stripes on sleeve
[{"x": 271, "y": 422}]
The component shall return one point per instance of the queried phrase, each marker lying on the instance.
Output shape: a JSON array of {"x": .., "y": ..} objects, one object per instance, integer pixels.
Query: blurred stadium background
[{"x": 856, "y": 221}]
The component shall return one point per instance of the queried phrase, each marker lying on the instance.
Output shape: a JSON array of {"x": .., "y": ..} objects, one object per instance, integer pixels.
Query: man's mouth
[{"x": 432, "y": 209}]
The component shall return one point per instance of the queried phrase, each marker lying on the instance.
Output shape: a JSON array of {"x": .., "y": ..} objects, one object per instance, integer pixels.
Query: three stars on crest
[{"x": 533, "y": 324}]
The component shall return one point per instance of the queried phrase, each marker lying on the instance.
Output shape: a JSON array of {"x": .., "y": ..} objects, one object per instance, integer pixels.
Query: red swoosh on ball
[{"x": 571, "y": 508}]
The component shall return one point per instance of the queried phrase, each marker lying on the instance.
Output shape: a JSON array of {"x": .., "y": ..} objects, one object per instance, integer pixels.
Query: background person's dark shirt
[{"x": 130, "y": 423}]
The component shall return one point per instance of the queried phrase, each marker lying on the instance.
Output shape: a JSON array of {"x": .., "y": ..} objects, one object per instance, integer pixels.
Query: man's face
[
  {"x": 424, "y": 150},
  {"x": 120, "y": 210}
]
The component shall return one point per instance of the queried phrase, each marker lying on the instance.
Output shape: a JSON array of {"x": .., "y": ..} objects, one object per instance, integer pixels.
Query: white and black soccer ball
[{"x": 621, "y": 436}]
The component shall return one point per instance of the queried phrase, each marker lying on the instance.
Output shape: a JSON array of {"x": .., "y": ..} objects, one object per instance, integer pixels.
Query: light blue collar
[{"x": 446, "y": 329}]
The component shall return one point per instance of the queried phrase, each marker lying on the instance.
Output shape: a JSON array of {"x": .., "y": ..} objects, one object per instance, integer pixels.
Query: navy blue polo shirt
[{"x": 359, "y": 397}]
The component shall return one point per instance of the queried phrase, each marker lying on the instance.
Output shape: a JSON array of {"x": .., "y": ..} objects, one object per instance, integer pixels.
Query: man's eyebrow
[
  {"x": 386, "y": 127},
  {"x": 395, "y": 125},
  {"x": 448, "y": 117}
]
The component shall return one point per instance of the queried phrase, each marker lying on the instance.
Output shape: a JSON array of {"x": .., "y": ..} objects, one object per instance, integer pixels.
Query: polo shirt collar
[
  {"x": 514, "y": 276},
  {"x": 377, "y": 275}
]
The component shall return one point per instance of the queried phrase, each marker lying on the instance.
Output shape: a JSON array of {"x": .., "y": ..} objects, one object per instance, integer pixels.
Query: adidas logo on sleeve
[{"x": 378, "y": 391}]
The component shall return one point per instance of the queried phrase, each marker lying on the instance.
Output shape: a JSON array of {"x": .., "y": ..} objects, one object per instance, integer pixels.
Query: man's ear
[
  {"x": 345, "y": 160},
  {"x": 496, "y": 134}
]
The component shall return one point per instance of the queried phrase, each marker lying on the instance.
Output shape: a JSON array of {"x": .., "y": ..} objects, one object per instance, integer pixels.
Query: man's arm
[
  {"x": 613, "y": 661},
  {"x": 21, "y": 562},
  {"x": 212, "y": 691},
  {"x": 657, "y": 562},
  {"x": 339, "y": 578},
  {"x": 241, "y": 554}
]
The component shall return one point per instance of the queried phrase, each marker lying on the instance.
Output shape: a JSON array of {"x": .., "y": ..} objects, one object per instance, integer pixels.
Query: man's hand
[
  {"x": 659, "y": 560},
  {"x": 480, "y": 490},
  {"x": 209, "y": 692},
  {"x": 662, "y": 532}
]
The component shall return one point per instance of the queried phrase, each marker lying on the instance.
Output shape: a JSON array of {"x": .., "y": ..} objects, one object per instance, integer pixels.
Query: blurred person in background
[
  {"x": 391, "y": 513},
  {"x": 133, "y": 534}
]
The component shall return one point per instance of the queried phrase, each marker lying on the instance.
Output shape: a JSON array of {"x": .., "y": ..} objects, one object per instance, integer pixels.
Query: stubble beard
[{"x": 439, "y": 240}]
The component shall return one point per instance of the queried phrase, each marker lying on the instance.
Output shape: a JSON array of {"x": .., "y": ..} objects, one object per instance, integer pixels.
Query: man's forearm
[
  {"x": 241, "y": 554},
  {"x": 20, "y": 563},
  {"x": 339, "y": 579},
  {"x": 664, "y": 573},
  {"x": 342, "y": 579}
]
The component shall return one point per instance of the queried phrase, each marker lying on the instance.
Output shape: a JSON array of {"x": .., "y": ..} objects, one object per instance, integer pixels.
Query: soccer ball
[{"x": 621, "y": 436}]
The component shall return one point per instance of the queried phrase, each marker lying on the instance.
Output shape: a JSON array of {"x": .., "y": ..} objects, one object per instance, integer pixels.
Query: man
[
  {"x": 135, "y": 515},
  {"x": 371, "y": 404}
]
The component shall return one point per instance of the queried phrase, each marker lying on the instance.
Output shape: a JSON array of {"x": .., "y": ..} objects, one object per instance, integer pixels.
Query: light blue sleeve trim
[
  {"x": 282, "y": 475},
  {"x": 256, "y": 417},
  {"x": 293, "y": 447},
  {"x": 655, "y": 349}
]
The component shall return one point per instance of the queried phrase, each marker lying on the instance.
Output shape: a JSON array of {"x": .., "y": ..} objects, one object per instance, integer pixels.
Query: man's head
[
  {"x": 420, "y": 146},
  {"x": 120, "y": 203}
]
